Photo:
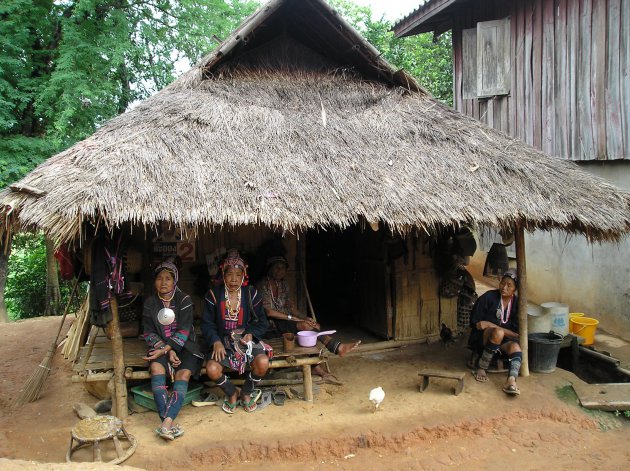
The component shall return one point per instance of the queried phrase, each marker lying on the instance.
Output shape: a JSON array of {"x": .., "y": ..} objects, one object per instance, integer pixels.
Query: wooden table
[{"x": 99, "y": 365}]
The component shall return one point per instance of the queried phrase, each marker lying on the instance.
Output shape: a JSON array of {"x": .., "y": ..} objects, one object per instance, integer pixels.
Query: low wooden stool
[
  {"x": 427, "y": 374},
  {"x": 97, "y": 429}
]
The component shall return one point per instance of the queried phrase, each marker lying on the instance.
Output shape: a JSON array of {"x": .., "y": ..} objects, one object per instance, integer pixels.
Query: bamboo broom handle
[
  {"x": 308, "y": 296},
  {"x": 65, "y": 312}
]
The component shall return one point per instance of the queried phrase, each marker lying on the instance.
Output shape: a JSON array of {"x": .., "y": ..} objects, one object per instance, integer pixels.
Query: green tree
[
  {"x": 429, "y": 61},
  {"x": 67, "y": 66}
]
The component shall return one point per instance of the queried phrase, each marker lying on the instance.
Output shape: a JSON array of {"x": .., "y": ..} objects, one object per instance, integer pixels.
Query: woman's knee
[
  {"x": 496, "y": 335},
  {"x": 183, "y": 375},
  {"x": 260, "y": 364},
  {"x": 214, "y": 370},
  {"x": 156, "y": 368}
]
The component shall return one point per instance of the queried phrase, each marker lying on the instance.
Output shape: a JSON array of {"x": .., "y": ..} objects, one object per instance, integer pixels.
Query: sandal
[
  {"x": 279, "y": 397},
  {"x": 177, "y": 431},
  {"x": 165, "y": 433},
  {"x": 265, "y": 400},
  {"x": 250, "y": 406},
  {"x": 229, "y": 408},
  {"x": 511, "y": 390},
  {"x": 210, "y": 400}
]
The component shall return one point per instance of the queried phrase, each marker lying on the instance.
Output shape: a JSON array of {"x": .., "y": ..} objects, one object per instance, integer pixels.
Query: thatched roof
[{"x": 294, "y": 122}]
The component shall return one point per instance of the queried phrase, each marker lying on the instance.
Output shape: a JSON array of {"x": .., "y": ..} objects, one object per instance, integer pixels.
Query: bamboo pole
[
  {"x": 521, "y": 273},
  {"x": 120, "y": 382},
  {"x": 308, "y": 296}
]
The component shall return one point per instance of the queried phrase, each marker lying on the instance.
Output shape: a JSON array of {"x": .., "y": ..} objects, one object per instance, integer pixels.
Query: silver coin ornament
[{"x": 166, "y": 316}]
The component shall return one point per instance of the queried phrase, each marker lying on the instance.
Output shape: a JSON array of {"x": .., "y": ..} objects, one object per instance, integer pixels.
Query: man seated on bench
[
  {"x": 233, "y": 325},
  {"x": 494, "y": 322},
  {"x": 281, "y": 311}
]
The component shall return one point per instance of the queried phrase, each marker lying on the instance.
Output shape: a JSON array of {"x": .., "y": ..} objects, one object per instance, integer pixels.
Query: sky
[{"x": 392, "y": 9}]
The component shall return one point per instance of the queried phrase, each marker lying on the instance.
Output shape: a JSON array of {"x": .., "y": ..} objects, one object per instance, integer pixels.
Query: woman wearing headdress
[
  {"x": 280, "y": 309},
  {"x": 494, "y": 323},
  {"x": 233, "y": 324},
  {"x": 173, "y": 350}
]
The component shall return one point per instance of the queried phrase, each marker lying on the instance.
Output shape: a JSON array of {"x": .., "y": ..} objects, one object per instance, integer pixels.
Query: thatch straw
[{"x": 282, "y": 136}]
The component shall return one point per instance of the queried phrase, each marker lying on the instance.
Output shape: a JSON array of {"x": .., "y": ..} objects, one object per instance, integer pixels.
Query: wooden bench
[
  {"x": 427, "y": 374},
  {"x": 95, "y": 364}
]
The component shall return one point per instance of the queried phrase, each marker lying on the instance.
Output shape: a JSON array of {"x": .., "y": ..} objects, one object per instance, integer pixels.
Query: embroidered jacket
[
  {"x": 251, "y": 316},
  {"x": 180, "y": 334}
]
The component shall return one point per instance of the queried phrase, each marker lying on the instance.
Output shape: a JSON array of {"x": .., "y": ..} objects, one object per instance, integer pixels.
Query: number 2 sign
[{"x": 186, "y": 251}]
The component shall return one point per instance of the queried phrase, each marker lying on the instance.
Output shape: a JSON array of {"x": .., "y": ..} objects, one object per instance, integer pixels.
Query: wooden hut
[
  {"x": 555, "y": 74},
  {"x": 295, "y": 127}
]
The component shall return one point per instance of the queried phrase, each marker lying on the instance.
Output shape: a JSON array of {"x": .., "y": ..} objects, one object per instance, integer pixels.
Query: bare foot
[
  {"x": 481, "y": 375},
  {"x": 347, "y": 347}
]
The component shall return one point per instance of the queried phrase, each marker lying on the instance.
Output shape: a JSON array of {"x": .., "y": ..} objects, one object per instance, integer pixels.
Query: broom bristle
[{"x": 34, "y": 384}]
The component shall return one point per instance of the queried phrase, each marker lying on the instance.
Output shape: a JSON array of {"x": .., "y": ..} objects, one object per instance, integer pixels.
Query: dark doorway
[
  {"x": 331, "y": 274},
  {"x": 346, "y": 272}
]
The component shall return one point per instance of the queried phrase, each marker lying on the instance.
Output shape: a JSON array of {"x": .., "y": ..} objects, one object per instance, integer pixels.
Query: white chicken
[{"x": 377, "y": 395}]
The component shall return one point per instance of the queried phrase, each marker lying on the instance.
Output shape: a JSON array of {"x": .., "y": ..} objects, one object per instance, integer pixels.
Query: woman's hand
[
  {"x": 174, "y": 359},
  {"x": 218, "y": 351},
  {"x": 483, "y": 325},
  {"x": 154, "y": 354},
  {"x": 312, "y": 324},
  {"x": 246, "y": 338}
]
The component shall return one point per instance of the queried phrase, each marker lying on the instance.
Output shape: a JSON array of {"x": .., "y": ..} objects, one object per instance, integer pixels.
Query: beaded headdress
[
  {"x": 234, "y": 260},
  {"x": 169, "y": 267}
]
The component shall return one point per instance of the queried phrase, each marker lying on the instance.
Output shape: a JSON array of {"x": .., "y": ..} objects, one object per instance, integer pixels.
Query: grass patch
[{"x": 606, "y": 420}]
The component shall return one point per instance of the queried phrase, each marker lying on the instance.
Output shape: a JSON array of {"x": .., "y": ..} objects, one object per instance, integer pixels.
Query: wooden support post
[
  {"x": 521, "y": 273},
  {"x": 308, "y": 383},
  {"x": 120, "y": 382}
]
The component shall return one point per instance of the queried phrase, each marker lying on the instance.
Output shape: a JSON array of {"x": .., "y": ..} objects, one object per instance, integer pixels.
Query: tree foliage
[
  {"x": 66, "y": 66},
  {"x": 429, "y": 61}
]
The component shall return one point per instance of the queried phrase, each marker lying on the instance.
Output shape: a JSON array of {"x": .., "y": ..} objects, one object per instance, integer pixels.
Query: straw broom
[{"x": 33, "y": 386}]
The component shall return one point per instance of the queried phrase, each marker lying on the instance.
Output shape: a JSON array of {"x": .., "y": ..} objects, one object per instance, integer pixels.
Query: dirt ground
[{"x": 544, "y": 428}]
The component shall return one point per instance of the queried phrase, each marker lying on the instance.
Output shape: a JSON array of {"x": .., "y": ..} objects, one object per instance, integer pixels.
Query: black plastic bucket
[{"x": 543, "y": 351}]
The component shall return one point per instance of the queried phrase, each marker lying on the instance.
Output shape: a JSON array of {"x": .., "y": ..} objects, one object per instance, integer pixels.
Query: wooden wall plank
[
  {"x": 587, "y": 148},
  {"x": 518, "y": 94},
  {"x": 537, "y": 72},
  {"x": 547, "y": 113},
  {"x": 573, "y": 28},
  {"x": 624, "y": 69},
  {"x": 560, "y": 89},
  {"x": 528, "y": 72},
  {"x": 598, "y": 79},
  {"x": 614, "y": 137},
  {"x": 457, "y": 69}
]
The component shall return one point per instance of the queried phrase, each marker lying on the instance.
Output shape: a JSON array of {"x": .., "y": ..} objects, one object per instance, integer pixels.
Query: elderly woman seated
[
  {"x": 233, "y": 323},
  {"x": 281, "y": 311},
  {"x": 494, "y": 323}
]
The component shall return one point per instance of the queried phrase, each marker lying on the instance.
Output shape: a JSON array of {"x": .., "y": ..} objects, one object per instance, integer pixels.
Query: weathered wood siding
[{"x": 570, "y": 75}]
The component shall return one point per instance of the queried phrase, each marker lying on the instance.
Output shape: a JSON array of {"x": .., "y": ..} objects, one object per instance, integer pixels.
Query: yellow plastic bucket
[
  {"x": 584, "y": 327},
  {"x": 576, "y": 314}
]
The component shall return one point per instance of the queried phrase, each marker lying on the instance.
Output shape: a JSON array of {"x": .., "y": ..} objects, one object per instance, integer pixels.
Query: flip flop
[
  {"x": 251, "y": 406},
  {"x": 279, "y": 397},
  {"x": 511, "y": 390},
  {"x": 164, "y": 433},
  {"x": 177, "y": 431},
  {"x": 474, "y": 373},
  {"x": 265, "y": 400},
  {"x": 229, "y": 408},
  {"x": 210, "y": 400}
]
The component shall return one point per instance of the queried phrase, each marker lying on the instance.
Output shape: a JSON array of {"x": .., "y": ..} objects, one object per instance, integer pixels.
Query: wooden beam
[
  {"x": 521, "y": 273},
  {"x": 118, "y": 353}
]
